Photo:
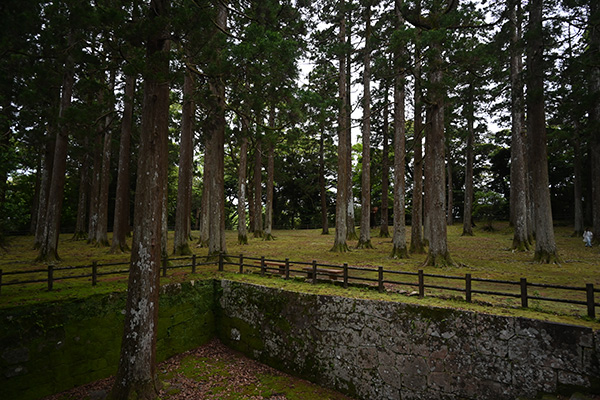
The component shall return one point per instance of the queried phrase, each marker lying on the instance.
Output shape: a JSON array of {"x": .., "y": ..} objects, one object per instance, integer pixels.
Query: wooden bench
[
  {"x": 332, "y": 273},
  {"x": 277, "y": 264}
]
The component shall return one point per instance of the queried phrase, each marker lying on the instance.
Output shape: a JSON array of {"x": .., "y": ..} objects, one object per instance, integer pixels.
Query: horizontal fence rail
[{"x": 313, "y": 272}]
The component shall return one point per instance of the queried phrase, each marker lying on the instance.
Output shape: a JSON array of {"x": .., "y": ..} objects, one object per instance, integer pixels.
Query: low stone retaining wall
[
  {"x": 51, "y": 347},
  {"x": 382, "y": 350}
]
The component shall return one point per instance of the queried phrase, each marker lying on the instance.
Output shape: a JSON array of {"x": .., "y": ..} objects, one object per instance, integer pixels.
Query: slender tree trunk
[
  {"x": 416, "y": 231},
  {"x": 323, "y": 190},
  {"x": 385, "y": 173},
  {"x": 186, "y": 157},
  {"x": 82, "y": 201},
  {"x": 251, "y": 216},
  {"x": 36, "y": 196},
  {"x": 438, "y": 254},
  {"x": 216, "y": 237},
  {"x": 121, "y": 218},
  {"x": 517, "y": 164},
  {"x": 341, "y": 207},
  {"x": 95, "y": 187},
  {"x": 350, "y": 219},
  {"x": 270, "y": 183},
  {"x": 577, "y": 183},
  {"x": 545, "y": 245},
  {"x": 364, "y": 241},
  {"x": 594, "y": 52},
  {"x": 136, "y": 375},
  {"x": 48, "y": 250},
  {"x": 44, "y": 186},
  {"x": 468, "y": 204},
  {"x": 258, "y": 222},
  {"x": 204, "y": 206},
  {"x": 242, "y": 185},
  {"x": 399, "y": 249},
  {"x": 102, "y": 228},
  {"x": 450, "y": 196}
]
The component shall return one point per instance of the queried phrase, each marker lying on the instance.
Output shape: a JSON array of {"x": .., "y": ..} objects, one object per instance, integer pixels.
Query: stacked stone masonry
[{"x": 384, "y": 350}]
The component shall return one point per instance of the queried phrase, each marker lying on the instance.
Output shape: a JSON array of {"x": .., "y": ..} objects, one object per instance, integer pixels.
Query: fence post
[
  {"x": 421, "y": 284},
  {"x": 468, "y": 288},
  {"x": 193, "y": 263},
  {"x": 380, "y": 278},
  {"x": 241, "y": 263},
  {"x": 589, "y": 288},
  {"x": 262, "y": 266},
  {"x": 50, "y": 276},
  {"x": 524, "y": 299},
  {"x": 0, "y": 281},
  {"x": 164, "y": 266},
  {"x": 221, "y": 262},
  {"x": 314, "y": 271},
  {"x": 94, "y": 273},
  {"x": 287, "y": 268},
  {"x": 345, "y": 275}
]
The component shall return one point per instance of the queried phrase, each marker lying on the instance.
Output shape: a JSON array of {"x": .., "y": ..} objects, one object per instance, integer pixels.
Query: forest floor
[
  {"x": 486, "y": 255},
  {"x": 214, "y": 371}
]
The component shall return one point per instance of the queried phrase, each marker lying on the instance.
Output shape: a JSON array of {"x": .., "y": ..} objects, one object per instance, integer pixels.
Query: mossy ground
[{"x": 487, "y": 254}]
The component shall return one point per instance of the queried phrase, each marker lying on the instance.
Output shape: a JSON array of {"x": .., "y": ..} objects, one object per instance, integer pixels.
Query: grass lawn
[{"x": 485, "y": 255}]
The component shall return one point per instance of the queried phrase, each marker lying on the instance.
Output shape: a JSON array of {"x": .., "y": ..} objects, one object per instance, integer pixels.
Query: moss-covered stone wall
[
  {"x": 382, "y": 350},
  {"x": 50, "y": 347}
]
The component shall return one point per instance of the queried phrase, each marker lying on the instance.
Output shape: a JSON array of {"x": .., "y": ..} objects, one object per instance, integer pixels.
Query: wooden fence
[{"x": 344, "y": 275}]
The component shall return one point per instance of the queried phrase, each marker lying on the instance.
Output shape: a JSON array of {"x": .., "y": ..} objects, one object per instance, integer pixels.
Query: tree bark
[
  {"x": 384, "y": 231},
  {"x": 594, "y": 52},
  {"x": 270, "y": 183},
  {"x": 545, "y": 245},
  {"x": 216, "y": 235},
  {"x": 242, "y": 185},
  {"x": 341, "y": 206},
  {"x": 258, "y": 217},
  {"x": 517, "y": 163},
  {"x": 350, "y": 219},
  {"x": 48, "y": 250},
  {"x": 121, "y": 217},
  {"x": 438, "y": 254},
  {"x": 84, "y": 188},
  {"x": 184, "y": 182},
  {"x": 204, "y": 206},
  {"x": 95, "y": 186},
  {"x": 450, "y": 196},
  {"x": 136, "y": 375},
  {"x": 323, "y": 189},
  {"x": 364, "y": 241},
  {"x": 468, "y": 204},
  {"x": 45, "y": 186},
  {"x": 399, "y": 249},
  {"x": 416, "y": 231}
]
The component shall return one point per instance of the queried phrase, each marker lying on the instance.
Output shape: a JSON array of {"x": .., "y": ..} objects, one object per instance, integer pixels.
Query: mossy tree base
[
  {"x": 364, "y": 244},
  {"x": 384, "y": 234},
  {"x": 202, "y": 243},
  {"x": 242, "y": 239},
  {"x": 50, "y": 257},
  {"x": 340, "y": 248},
  {"x": 119, "y": 249},
  {"x": 183, "y": 250},
  {"x": 467, "y": 233},
  {"x": 399, "y": 252},
  {"x": 268, "y": 236},
  {"x": 417, "y": 248},
  {"x": 520, "y": 245},
  {"x": 79, "y": 236},
  {"x": 351, "y": 236},
  {"x": 546, "y": 257},
  {"x": 135, "y": 391},
  {"x": 439, "y": 260},
  {"x": 325, "y": 232},
  {"x": 259, "y": 234}
]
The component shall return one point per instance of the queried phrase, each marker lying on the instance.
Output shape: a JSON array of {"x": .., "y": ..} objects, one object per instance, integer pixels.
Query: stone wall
[
  {"x": 382, "y": 350},
  {"x": 51, "y": 347}
]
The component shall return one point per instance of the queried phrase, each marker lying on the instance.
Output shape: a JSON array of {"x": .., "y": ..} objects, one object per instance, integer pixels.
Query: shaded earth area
[{"x": 214, "y": 371}]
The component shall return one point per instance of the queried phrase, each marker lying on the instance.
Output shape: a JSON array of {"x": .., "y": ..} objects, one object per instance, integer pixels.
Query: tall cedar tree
[
  {"x": 545, "y": 245},
  {"x": 594, "y": 85},
  {"x": 243, "y": 183},
  {"x": 136, "y": 374},
  {"x": 364, "y": 240}
]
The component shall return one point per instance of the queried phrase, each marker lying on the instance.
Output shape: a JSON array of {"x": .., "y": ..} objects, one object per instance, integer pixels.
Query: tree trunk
[
  {"x": 216, "y": 234},
  {"x": 242, "y": 184},
  {"x": 204, "y": 206},
  {"x": 258, "y": 221},
  {"x": 323, "y": 189},
  {"x": 416, "y": 231},
  {"x": 385, "y": 171},
  {"x": 183, "y": 211},
  {"x": 136, "y": 375},
  {"x": 45, "y": 186},
  {"x": 438, "y": 254},
  {"x": 95, "y": 187},
  {"x": 102, "y": 228},
  {"x": 364, "y": 241},
  {"x": 517, "y": 163},
  {"x": 594, "y": 77},
  {"x": 545, "y": 245},
  {"x": 270, "y": 183},
  {"x": 84, "y": 188},
  {"x": 450, "y": 196},
  {"x": 468, "y": 204},
  {"x": 341, "y": 206},
  {"x": 399, "y": 249},
  {"x": 350, "y": 219},
  {"x": 121, "y": 218},
  {"x": 49, "y": 245}
]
